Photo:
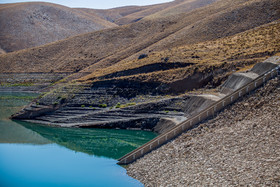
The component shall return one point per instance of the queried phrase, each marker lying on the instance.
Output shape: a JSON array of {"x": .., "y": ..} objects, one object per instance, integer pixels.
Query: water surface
[{"x": 36, "y": 155}]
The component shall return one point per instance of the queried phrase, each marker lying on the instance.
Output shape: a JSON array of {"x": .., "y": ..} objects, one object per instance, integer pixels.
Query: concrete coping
[
  {"x": 249, "y": 74},
  {"x": 273, "y": 60},
  {"x": 211, "y": 97}
]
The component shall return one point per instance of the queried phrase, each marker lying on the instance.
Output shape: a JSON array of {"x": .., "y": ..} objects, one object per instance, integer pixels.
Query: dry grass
[
  {"x": 240, "y": 52},
  {"x": 117, "y": 49},
  {"x": 209, "y": 23}
]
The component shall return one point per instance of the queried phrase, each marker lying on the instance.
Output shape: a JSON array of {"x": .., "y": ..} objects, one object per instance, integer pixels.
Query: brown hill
[
  {"x": 131, "y": 14},
  {"x": 114, "y": 14},
  {"x": 98, "y": 50},
  {"x": 76, "y": 53},
  {"x": 179, "y": 7},
  {"x": 25, "y": 25},
  {"x": 164, "y": 10},
  {"x": 221, "y": 19},
  {"x": 148, "y": 10}
]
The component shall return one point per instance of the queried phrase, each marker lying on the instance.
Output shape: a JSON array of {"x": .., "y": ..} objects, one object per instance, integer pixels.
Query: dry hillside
[
  {"x": 222, "y": 22},
  {"x": 114, "y": 14},
  {"x": 130, "y": 14},
  {"x": 106, "y": 47},
  {"x": 25, "y": 25},
  {"x": 177, "y": 46},
  {"x": 239, "y": 52},
  {"x": 79, "y": 52},
  {"x": 221, "y": 19},
  {"x": 148, "y": 10},
  {"x": 179, "y": 7}
]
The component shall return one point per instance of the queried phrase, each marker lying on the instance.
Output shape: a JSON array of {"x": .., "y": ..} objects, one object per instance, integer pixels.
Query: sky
[{"x": 97, "y": 4}]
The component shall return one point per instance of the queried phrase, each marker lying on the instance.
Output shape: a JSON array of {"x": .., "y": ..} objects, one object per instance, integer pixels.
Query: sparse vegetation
[
  {"x": 118, "y": 105},
  {"x": 102, "y": 105},
  {"x": 16, "y": 84},
  {"x": 125, "y": 105}
]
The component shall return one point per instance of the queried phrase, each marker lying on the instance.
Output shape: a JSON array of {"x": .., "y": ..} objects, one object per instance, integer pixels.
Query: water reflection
[
  {"x": 99, "y": 142},
  {"x": 30, "y": 154},
  {"x": 12, "y": 132}
]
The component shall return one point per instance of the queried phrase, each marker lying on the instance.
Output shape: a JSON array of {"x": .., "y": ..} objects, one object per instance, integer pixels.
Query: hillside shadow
[{"x": 160, "y": 66}]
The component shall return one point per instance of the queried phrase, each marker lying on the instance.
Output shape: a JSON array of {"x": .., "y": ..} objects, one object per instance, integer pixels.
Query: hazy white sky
[{"x": 98, "y": 4}]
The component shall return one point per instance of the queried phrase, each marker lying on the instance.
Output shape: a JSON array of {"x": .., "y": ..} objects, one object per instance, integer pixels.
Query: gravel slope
[{"x": 240, "y": 146}]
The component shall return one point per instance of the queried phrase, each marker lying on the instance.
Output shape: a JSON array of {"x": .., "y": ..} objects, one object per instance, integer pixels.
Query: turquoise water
[{"x": 36, "y": 155}]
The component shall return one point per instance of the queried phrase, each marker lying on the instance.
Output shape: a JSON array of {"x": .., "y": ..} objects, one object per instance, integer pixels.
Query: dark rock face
[
  {"x": 149, "y": 68},
  {"x": 127, "y": 89},
  {"x": 199, "y": 80}
]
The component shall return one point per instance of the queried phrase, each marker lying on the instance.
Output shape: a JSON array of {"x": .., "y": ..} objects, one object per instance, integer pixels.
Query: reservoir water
[{"x": 36, "y": 155}]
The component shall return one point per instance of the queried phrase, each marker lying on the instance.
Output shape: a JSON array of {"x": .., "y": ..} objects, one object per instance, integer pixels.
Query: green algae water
[{"x": 36, "y": 155}]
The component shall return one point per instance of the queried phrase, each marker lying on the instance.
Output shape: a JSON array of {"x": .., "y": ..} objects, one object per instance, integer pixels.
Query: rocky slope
[
  {"x": 25, "y": 25},
  {"x": 240, "y": 146}
]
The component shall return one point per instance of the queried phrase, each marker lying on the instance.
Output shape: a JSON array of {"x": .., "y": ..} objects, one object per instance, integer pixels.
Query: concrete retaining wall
[{"x": 204, "y": 114}]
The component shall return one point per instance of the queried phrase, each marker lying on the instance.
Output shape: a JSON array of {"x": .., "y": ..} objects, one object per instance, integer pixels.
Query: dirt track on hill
[{"x": 240, "y": 146}]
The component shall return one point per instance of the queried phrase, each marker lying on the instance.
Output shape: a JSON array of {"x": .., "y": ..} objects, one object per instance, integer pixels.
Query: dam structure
[{"x": 236, "y": 86}]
